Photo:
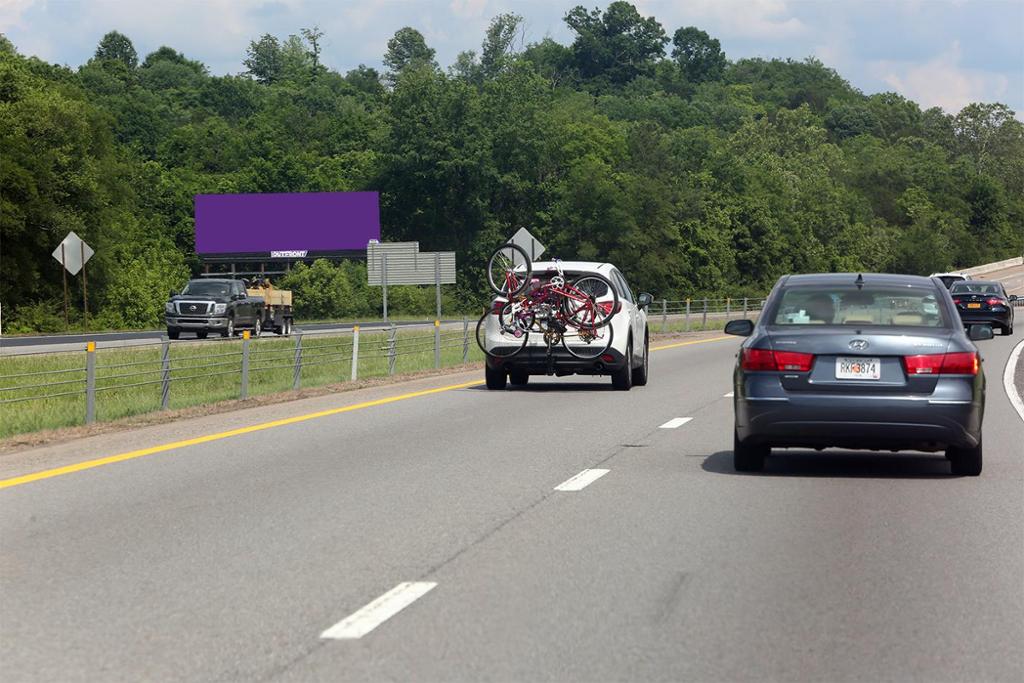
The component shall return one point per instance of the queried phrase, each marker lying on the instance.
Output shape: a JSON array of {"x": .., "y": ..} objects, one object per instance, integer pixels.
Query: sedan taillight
[
  {"x": 960, "y": 363},
  {"x": 995, "y": 301},
  {"x": 779, "y": 361}
]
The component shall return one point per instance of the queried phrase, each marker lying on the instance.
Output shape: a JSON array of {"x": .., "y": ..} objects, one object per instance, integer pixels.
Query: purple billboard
[{"x": 287, "y": 225}]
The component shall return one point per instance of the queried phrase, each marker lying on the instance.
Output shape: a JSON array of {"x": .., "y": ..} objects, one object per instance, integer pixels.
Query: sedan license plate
[
  {"x": 858, "y": 368},
  {"x": 973, "y": 305}
]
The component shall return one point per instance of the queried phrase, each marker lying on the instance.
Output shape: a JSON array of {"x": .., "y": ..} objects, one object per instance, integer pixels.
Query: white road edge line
[
  {"x": 581, "y": 480},
  {"x": 675, "y": 422},
  {"x": 380, "y": 610},
  {"x": 1008, "y": 384},
  {"x": 729, "y": 395}
]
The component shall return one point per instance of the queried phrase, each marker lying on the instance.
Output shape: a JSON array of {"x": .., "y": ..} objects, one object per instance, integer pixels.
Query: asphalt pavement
[{"x": 560, "y": 531}]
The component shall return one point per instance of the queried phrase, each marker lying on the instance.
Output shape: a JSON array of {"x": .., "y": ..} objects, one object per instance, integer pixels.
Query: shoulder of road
[{"x": 25, "y": 454}]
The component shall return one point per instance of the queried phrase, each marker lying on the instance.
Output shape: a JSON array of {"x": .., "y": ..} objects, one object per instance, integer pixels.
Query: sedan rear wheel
[
  {"x": 748, "y": 457},
  {"x": 965, "y": 462}
]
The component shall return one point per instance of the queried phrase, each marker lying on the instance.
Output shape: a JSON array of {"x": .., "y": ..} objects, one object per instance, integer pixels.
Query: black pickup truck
[{"x": 209, "y": 305}]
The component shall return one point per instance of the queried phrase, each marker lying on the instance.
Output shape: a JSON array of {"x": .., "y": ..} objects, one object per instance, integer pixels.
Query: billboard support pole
[
  {"x": 437, "y": 281},
  {"x": 384, "y": 281}
]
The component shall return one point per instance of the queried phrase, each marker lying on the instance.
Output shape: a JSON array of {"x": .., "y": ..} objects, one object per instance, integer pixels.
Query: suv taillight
[
  {"x": 960, "y": 363},
  {"x": 778, "y": 361},
  {"x": 497, "y": 306}
]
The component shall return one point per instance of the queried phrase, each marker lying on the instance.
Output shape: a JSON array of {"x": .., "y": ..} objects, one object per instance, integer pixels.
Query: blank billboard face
[{"x": 276, "y": 224}]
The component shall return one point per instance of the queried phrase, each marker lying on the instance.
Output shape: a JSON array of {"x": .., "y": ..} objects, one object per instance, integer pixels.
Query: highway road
[{"x": 562, "y": 531}]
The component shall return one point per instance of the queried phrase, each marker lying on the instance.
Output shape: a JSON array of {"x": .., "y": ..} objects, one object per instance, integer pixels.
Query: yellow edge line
[
  {"x": 130, "y": 455},
  {"x": 688, "y": 343}
]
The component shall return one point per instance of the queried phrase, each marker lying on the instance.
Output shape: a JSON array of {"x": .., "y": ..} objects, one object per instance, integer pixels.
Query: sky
[{"x": 944, "y": 53}]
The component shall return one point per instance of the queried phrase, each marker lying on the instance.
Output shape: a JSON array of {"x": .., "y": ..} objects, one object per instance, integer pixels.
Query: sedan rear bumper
[
  {"x": 997, "y": 318},
  {"x": 880, "y": 423}
]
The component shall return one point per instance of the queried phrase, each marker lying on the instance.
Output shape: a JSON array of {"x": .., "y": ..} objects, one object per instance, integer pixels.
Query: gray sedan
[{"x": 859, "y": 361}]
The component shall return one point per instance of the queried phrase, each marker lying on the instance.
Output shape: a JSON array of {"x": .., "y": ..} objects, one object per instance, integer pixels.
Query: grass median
[{"x": 47, "y": 391}]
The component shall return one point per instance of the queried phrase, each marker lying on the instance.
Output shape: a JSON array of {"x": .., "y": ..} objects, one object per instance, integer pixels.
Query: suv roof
[{"x": 593, "y": 266}]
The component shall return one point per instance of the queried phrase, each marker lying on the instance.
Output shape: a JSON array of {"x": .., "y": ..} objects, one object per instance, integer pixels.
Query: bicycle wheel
[
  {"x": 588, "y": 343},
  {"x": 516, "y": 315},
  {"x": 503, "y": 275},
  {"x": 589, "y": 301},
  {"x": 503, "y": 344}
]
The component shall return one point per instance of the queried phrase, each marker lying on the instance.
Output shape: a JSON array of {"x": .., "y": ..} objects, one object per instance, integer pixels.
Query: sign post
[
  {"x": 402, "y": 263},
  {"x": 73, "y": 253}
]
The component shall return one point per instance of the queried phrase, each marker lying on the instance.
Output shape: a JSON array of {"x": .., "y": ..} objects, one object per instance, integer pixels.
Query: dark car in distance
[
  {"x": 870, "y": 361},
  {"x": 983, "y": 302}
]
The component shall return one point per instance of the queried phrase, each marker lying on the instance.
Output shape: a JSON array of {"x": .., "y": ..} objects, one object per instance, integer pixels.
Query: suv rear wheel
[
  {"x": 622, "y": 379},
  {"x": 496, "y": 378},
  {"x": 640, "y": 374}
]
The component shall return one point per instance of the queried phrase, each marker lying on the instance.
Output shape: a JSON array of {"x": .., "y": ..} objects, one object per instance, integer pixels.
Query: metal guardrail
[
  {"x": 692, "y": 311},
  {"x": 94, "y": 377}
]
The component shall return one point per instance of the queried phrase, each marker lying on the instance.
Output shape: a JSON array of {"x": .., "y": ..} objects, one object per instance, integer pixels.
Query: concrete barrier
[{"x": 989, "y": 267}]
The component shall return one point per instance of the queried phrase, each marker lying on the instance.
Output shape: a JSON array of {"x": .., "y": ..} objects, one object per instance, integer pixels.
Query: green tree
[
  {"x": 116, "y": 47},
  {"x": 264, "y": 60},
  {"x": 407, "y": 49},
  {"x": 699, "y": 56},
  {"x": 615, "y": 46}
]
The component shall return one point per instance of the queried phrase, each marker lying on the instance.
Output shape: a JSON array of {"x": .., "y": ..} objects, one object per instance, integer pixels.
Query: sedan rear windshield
[
  {"x": 964, "y": 288},
  {"x": 848, "y": 305}
]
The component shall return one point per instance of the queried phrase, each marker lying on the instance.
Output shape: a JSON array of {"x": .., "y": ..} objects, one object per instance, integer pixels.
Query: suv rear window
[{"x": 847, "y": 305}]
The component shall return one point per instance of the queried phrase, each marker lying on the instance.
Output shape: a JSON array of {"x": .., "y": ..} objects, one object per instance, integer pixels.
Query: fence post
[
  {"x": 437, "y": 344},
  {"x": 728, "y": 307},
  {"x": 165, "y": 373},
  {"x": 465, "y": 339},
  {"x": 245, "y": 365},
  {"x": 392, "y": 343},
  {"x": 687, "y": 315},
  {"x": 664, "y": 316},
  {"x": 704, "y": 320},
  {"x": 355, "y": 353},
  {"x": 90, "y": 382},
  {"x": 297, "y": 373},
  {"x": 744, "y": 308}
]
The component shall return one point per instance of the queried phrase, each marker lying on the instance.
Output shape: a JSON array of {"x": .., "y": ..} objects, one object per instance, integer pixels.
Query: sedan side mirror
[
  {"x": 1012, "y": 298},
  {"x": 745, "y": 328},
  {"x": 980, "y": 332},
  {"x": 644, "y": 300}
]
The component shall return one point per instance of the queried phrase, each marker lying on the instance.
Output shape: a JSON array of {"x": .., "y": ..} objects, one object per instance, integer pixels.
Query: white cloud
[
  {"x": 941, "y": 81},
  {"x": 468, "y": 8},
  {"x": 11, "y": 13},
  {"x": 729, "y": 18}
]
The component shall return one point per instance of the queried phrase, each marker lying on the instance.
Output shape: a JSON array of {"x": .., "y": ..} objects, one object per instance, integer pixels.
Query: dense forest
[{"x": 636, "y": 144}]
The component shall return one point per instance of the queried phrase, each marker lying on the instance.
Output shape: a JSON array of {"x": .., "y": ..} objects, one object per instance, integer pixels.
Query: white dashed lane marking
[
  {"x": 581, "y": 480},
  {"x": 675, "y": 422},
  {"x": 380, "y": 610}
]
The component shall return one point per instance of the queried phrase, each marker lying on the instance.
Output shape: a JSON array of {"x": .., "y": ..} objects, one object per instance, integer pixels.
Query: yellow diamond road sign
[{"x": 76, "y": 253}]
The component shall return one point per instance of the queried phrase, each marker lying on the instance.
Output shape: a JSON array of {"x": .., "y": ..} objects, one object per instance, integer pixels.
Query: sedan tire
[
  {"x": 965, "y": 462},
  {"x": 748, "y": 457}
]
